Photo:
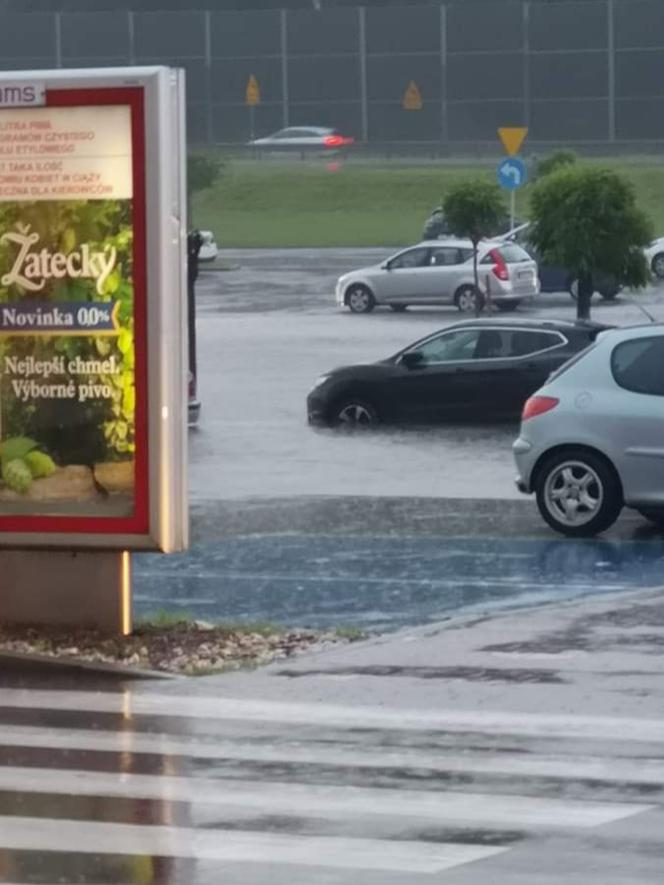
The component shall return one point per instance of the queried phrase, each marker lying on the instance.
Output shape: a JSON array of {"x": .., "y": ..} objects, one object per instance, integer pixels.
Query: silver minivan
[
  {"x": 441, "y": 272},
  {"x": 592, "y": 439}
]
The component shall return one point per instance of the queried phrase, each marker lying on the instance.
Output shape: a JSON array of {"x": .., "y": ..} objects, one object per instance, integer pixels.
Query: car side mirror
[
  {"x": 386, "y": 265},
  {"x": 412, "y": 360}
]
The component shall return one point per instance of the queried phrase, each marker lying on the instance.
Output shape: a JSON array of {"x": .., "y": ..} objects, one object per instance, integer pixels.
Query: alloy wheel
[{"x": 573, "y": 493}]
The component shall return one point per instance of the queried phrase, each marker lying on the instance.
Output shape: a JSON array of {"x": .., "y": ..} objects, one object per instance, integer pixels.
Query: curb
[{"x": 72, "y": 665}]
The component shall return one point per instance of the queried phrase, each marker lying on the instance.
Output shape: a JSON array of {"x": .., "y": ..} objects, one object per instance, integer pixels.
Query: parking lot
[{"x": 268, "y": 328}]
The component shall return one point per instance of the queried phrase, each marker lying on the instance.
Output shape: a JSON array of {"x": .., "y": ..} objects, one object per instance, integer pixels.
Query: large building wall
[{"x": 574, "y": 71}]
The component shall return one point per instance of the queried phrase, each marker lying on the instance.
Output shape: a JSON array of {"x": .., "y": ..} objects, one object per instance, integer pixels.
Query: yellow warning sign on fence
[
  {"x": 253, "y": 93},
  {"x": 412, "y": 98},
  {"x": 512, "y": 138}
]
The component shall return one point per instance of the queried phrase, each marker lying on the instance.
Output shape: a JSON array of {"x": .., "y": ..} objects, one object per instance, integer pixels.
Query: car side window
[
  {"x": 449, "y": 347},
  {"x": 412, "y": 258},
  {"x": 445, "y": 257},
  {"x": 638, "y": 365},
  {"x": 524, "y": 342}
]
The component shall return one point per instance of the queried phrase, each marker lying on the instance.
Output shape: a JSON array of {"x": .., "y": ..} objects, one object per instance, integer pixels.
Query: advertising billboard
[{"x": 92, "y": 310}]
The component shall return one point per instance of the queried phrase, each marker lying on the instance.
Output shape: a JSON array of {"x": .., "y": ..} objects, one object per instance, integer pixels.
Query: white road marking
[
  {"x": 39, "y": 834},
  {"x": 489, "y": 722},
  {"x": 609, "y": 770},
  {"x": 334, "y": 802}
]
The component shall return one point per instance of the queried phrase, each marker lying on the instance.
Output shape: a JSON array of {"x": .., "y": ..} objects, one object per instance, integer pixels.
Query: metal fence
[{"x": 575, "y": 72}]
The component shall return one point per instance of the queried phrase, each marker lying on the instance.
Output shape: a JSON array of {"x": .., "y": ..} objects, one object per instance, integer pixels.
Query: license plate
[{"x": 525, "y": 275}]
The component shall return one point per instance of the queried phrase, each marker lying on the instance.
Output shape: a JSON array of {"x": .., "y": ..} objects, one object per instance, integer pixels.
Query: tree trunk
[
  {"x": 477, "y": 281},
  {"x": 586, "y": 291}
]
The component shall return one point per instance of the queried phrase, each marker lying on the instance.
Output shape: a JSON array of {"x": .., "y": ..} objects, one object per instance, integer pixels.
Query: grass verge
[{"x": 268, "y": 204}]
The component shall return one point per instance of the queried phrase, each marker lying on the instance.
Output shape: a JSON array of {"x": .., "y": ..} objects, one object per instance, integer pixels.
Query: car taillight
[
  {"x": 333, "y": 141},
  {"x": 500, "y": 269},
  {"x": 538, "y": 405}
]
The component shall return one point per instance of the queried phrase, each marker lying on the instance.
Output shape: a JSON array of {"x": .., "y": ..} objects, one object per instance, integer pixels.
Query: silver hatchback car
[
  {"x": 441, "y": 272},
  {"x": 592, "y": 439}
]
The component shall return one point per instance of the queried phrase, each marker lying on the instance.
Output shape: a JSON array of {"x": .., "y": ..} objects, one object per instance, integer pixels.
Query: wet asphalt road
[{"x": 396, "y": 527}]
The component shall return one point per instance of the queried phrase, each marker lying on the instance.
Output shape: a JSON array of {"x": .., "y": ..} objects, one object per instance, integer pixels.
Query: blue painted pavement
[{"x": 381, "y": 582}]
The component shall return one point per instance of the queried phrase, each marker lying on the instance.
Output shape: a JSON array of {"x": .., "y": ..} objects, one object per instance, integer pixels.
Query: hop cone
[
  {"x": 39, "y": 464},
  {"x": 17, "y": 475}
]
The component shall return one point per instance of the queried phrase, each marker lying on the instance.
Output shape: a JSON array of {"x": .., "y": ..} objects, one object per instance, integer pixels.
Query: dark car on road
[
  {"x": 554, "y": 278},
  {"x": 479, "y": 370}
]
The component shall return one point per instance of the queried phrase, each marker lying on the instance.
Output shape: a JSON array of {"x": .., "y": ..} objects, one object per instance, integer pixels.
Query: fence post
[
  {"x": 444, "y": 119},
  {"x": 611, "y": 49},
  {"x": 362, "y": 31},
  {"x": 208, "y": 75},
  {"x": 58, "y": 39},
  {"x": 526, "y": 62},
  {"x": 132, "y": 41},
  {"x": 285, "y": 91}
]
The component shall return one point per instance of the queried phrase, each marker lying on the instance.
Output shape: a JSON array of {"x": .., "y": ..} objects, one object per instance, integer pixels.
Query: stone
[{"x": 115, "y": 477}]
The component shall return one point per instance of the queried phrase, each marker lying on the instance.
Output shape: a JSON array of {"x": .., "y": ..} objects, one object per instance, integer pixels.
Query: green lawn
[{"x": 265, "y": 204}]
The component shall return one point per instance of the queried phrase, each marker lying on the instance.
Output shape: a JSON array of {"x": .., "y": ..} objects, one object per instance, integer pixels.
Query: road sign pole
[
  {"x": 252, "y": 122},
  {"x": 512, "y": 209}
]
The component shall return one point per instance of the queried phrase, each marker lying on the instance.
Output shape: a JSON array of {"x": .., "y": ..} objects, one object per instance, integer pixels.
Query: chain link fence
[{"x": 587, "y": 73}]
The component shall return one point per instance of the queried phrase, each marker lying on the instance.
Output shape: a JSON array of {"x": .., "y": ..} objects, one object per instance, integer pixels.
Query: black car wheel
[
  {"x": 658, "y": 265},
  {"x": 578, "y": 493},
  {"x": 469, "y": 300},
  {"x": 609, "y": 294},
  {"x": 353, "y": 414},
  {"x": 398, "y": 308},
  {"x": 360, "y": 299}
]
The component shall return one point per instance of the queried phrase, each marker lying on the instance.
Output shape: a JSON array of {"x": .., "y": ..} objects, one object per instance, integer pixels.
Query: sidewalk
[{"x": 600, "y": 657}]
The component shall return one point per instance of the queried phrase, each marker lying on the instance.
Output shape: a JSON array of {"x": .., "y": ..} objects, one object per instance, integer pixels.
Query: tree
[
  {"x": 587, "y": 220},
  {"x": 555, "y": 161},
  {"x": 474, "y": 209},
  {"x": 202, "y": 171}
]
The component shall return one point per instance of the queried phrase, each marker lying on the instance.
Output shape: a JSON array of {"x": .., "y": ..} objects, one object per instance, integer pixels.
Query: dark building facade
[{"x": 580, "y": 72}]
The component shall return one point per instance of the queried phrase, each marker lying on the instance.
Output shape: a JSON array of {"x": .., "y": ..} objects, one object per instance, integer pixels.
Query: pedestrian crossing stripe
[{"x": 352, "y": 828}]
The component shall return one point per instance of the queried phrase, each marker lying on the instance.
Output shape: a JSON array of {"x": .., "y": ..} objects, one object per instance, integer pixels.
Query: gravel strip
[{"x": 194, "y": 648}]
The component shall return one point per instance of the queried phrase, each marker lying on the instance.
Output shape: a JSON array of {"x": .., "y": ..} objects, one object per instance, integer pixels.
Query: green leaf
[{"x": 17, "y": 447}]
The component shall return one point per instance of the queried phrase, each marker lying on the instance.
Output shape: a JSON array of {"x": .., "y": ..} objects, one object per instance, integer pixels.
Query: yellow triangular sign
[
  {"x": 253, "y": 93},
  {"x": 412, "y": 98},
  {"x": 512, "y": 138}
]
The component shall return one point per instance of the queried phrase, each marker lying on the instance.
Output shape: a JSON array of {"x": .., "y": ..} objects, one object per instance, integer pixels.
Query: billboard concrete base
[{"x": 64, "y": 589}]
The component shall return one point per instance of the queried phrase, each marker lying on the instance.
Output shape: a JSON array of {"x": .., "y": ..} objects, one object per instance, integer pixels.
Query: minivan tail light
[
  {"x": 538, "y": 405},
  {"x": 500, "y": 269}
]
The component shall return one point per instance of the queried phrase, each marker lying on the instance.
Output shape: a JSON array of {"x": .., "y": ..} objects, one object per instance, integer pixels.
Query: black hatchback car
[{"x": 479, "y": 370}]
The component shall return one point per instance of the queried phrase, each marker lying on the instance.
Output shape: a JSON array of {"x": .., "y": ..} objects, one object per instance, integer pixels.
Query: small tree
[
  {"x": 587, "y": 220},
  {"x": 474, "y": 210},
  {"x": 554, "y": 162}
]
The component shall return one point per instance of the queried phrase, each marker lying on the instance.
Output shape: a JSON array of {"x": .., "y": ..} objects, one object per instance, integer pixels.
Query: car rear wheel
[
  {"x": 469, "y": 300},
  {"x": 360, "y": 299},
  {"x": 507, "y": 304},
  {"x": 354, "y": 414},
  {"x": 609, "y": 294},
  {"x": 658, "y": 265},
  {"x": 578, "y": 493}
]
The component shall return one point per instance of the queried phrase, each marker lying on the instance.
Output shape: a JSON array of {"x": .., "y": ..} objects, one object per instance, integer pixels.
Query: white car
[
  {"x": 304, "y": 138},
  {"x": 655, "y": 256},
  {"x": 209, "y": 249},
  {"x": 441, "y": 272},
  {"x": 591, "y": 439}
]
